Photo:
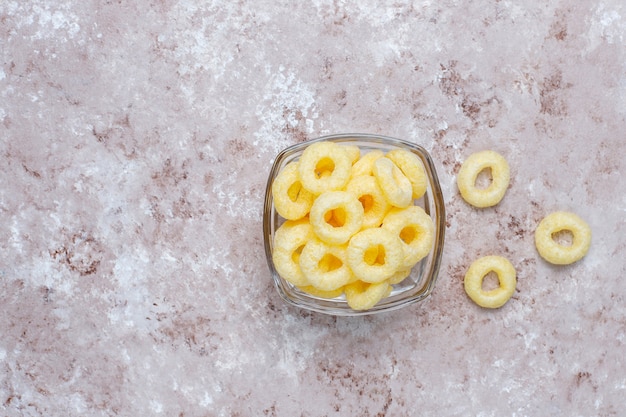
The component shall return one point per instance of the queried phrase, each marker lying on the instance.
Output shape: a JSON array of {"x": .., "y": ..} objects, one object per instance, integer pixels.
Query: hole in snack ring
[
  {"x": 329, "y": 262},
  {"x": 374, "y": 255},
  {"x": 490, "y": 281},
  {"x": 335, "y": 217},
  {"x": 367, "y": 201},
  {"x": 484, "y": 179},
  {"x": 563, "y": 237},
  {"x": 295, "y": 255},
  {"x": 408, "y": 234},
  {"x": 294, "y": 191},
  {"x": 324, "y": 167}
]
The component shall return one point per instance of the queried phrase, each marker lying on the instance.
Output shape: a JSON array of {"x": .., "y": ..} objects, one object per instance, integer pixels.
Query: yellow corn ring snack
[
  {"x": 364, "y": 165},
  {"x": 291, "y": 200},
  {"x": 477, "y": 271},
  {"x": 324, "y": 265},
  {"x": 474, "y": 165},
  {"x": 562, "y": 254},
  {"x": 399, "y": 276},
  {"x": 375, "y": 206},
  {"x": 315, "y": 292},
  {"x": 324, "y": 166},
  {"x": 350, "y": 224},
  {"x": 412, "y": 168},
  {"x": 336, "y": 216},
  {"x": 289, "y": 240},
  {"x": 375, "y": 254},
  {"x": 416, "y": 231},
  {"x": 395, "y": 185},
  {"x": 354, "y": 153},
  {"x": 363, "y": 296}
]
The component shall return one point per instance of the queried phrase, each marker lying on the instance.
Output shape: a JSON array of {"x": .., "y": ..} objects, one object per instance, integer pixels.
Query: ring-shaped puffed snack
[
  {"x": 316, "y": 292},
  {"x": 289, "y": 240},
  {"x": 324, "y": 166},
  {"x": 336, "y": 216},
  {"x": 412, "y": 168},
  {"x": 416, "y": 231},
  {"x": 476, "y": 273},
  {"x": 375, "y": 254},
  {"x": 291, "y": 200},
  {"x": 364, "y": 165},
  {"x": 325, "y": 265},
  {"x": 474, "y": 165},
  {"x": 354, "y": 153},
  {"x": 366, "y": 189},
  {"x": 395, "y": 185},
  {"x": 363, "y": 296},
  {"x": 399, "y": 276},
  {"x": 555, "y": 252}
]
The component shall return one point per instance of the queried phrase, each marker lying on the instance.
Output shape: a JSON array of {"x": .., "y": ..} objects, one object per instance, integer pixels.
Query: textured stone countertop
[{"x": 136, "y": 139}]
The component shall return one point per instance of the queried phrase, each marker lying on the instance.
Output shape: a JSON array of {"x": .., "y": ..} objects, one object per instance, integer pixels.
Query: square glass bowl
[{"x": 417, "y": 286}]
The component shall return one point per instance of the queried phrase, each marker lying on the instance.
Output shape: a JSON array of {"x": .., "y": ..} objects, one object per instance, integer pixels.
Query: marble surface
[{"x": 136, "y": 138}]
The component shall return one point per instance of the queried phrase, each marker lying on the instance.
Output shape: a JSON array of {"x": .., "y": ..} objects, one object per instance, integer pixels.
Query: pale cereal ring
[
  {"x": 395, "y": 185},
  {"x": 411, "y": 166},
  {"x": 363, "y": 296},
  {"x": 366, "y": 189},
  {"x": 324, "y": 265},
  {"x": 316, "y": 292},
  {"x": 364, "y": 165},
  {"x": 324, "y": 166},
  {"x": 354, "y": 152},
  {"x": 375, "y": 254},
  {"x": 477, "y": 271},
  {"x": 416, "y": 231},
  {"x": 557, "y": 253},
  {"x": 291, "y": 200},
  {"x": 476, "y": 163},
  {"x": 289, "y": 240},
  {"x": 399, "y": 276},
  {"x": 336, "y": 216}
]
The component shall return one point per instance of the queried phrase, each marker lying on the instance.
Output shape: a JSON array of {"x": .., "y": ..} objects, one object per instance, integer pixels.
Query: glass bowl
[{"x": 417, "y": 286}]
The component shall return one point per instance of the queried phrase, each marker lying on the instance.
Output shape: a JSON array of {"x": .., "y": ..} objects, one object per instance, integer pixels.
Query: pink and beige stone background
[{"x": 136, "y": 138}]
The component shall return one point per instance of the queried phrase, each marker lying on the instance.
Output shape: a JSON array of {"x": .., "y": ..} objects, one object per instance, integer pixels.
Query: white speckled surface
[{"x": 136, "y": 138}]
